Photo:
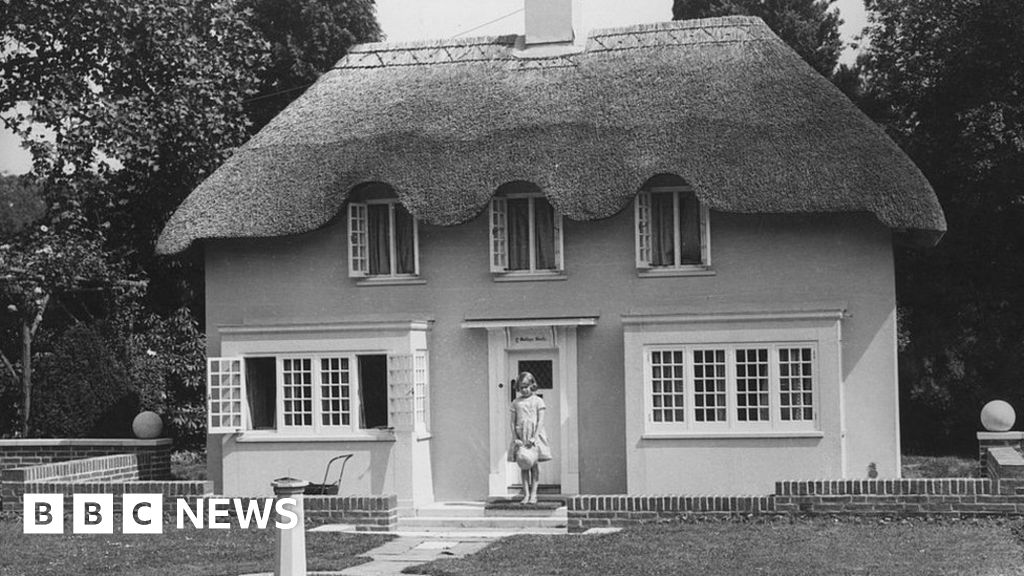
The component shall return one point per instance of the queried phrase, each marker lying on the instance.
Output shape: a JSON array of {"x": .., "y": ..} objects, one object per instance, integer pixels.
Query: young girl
[{"x": 528, "y": 432}]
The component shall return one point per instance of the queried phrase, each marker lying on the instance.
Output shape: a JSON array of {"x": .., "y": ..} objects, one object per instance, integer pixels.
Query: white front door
[{"x": 543, "y": 364}]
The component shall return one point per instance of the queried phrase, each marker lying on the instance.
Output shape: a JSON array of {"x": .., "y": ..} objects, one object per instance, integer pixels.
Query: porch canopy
[{"x": 722, "y": 103}]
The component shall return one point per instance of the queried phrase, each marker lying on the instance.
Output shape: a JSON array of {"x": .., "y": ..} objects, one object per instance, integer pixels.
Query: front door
[{"x": 543, "y": 364}]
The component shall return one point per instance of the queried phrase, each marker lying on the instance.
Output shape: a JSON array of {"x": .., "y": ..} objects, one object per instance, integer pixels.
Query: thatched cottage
[{"x": 682, "y": 229}]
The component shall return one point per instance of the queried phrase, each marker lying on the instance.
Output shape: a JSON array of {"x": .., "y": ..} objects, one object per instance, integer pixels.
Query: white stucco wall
[{"x": 760, "y": 261}]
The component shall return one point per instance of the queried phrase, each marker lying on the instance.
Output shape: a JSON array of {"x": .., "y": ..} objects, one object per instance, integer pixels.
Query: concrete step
[{"x": 478, "y": 523}]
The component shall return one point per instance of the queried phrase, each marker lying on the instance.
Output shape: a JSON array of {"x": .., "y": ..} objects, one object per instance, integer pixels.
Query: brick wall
[
  {"x": 155, "y": 455},
  {"x": 902, "y": 497},
  {"x": 171, "y": 490},
  {"x": 367, "y": 513}
]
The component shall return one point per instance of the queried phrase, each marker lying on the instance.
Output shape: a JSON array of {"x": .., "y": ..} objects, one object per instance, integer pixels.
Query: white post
[{"x": 290, "y": 556}]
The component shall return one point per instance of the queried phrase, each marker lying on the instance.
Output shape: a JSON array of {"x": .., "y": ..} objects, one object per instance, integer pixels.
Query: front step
[
  {"x": 472, "y": 516},
  {"x": 504, "y": 523}
]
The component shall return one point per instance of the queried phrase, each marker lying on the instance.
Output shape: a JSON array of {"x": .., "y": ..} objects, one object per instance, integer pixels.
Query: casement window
[
  {"x": 671, "y": 230},
  {"x": 730, "y": 387},
  {"x": 526, "y": 235},
  {"x": 327, "y": 393},
  {"x": 383, "y": 240}
]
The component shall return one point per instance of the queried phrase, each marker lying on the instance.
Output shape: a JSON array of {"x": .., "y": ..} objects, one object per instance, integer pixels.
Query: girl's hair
[{"x": 526, "y": 379}]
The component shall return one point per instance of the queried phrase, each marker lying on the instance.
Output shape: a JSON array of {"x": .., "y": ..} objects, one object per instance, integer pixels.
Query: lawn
[
  {"x": 820, "y": 547},
  {"x": 188, "y": 552}
]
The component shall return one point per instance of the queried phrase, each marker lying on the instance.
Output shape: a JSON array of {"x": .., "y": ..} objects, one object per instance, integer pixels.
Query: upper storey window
[
  {"x": 526, "y": 235},
  {"x": 382, "y": 239},
  {"x": 671, "y": 230}
]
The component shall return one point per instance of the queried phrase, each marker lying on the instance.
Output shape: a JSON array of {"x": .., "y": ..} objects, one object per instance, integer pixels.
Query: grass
[
  {"x": 188, "y": 552},
  {"x": 940, "y": 467},
  {"x": 819, "y": 547}
]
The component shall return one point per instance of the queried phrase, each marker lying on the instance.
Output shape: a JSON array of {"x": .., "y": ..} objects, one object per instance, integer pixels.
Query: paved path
[{"x": 404, "y": 551}]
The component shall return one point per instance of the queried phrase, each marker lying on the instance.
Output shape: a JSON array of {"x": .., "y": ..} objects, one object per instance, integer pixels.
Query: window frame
[
  {"x": 358, "y": 237},
  {"x": 317, "y": 429},
  {"x": 732, "y": 424},
  {"x": 642, "y": 219},
  {"x": 498, "y": 245}
]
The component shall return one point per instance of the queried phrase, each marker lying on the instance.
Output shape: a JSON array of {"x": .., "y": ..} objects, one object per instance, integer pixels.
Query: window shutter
[
  {"x": 643, "y": 230},
  {"x": 499, "y": 235},
  {"x": 358, "y": 261},
  {"x": 226, "y": 407},
  {"x": 401, "y": 391}
]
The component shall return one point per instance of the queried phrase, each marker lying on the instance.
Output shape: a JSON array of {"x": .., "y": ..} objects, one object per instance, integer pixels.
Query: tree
[
  {"x": 808, "y": 26},
  {"x": 945, "y": 79},
  {"x": 127, "y": 106},
  {"x": 20, "y": 204},
  {"x": 306, "y": 38}
]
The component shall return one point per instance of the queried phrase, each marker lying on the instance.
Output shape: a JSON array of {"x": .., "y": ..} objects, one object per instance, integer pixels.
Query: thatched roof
[{"x": 721, "y": 102}]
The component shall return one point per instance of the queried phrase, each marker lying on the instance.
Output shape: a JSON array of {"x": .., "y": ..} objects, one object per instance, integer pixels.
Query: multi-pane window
[
  {"x": 309, "y": 392},
  {"x": 671, "y": 230},
  {"x": 668, "y": 393},
  {"x": 796, "y": 383},
  {"x": 730, "y": 387},
  {"x": 382, "y": 240},
  {"x": 525, "y": 235}
]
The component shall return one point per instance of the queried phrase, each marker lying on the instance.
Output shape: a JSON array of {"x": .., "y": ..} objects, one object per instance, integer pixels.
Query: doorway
[{"x": 543, "y": 364}]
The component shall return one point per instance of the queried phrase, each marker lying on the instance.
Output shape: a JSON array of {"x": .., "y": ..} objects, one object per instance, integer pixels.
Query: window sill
[
  {"x": 391, "y": 281},
  {"x": 675, "y": 272},
  {"x": 260, "y": 436},
  {"x": 529, "y": 276},
  {"x": 728, "y": 435}
]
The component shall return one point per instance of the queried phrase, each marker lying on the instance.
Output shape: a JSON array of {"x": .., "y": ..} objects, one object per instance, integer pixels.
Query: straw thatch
[{"x": 721, "y": 102}]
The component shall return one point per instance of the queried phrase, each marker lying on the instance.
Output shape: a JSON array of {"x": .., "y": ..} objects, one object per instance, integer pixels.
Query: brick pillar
[
  {"x": 290, "y": 555},
  {"x": 988, "y": 440}
]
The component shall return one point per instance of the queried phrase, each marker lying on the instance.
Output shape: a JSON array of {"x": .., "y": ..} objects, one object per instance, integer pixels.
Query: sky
[{"x": 405, "y": 20}]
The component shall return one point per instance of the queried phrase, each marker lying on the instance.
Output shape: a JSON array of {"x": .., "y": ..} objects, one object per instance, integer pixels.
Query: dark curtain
[
  {"x": 261, "y": 387},
  {"x": 662, "y": 230},
  {"x": 373, "y": 391},
  {"x": 544, "y": 233},
  {"x": 689, "y": 219},
  {"x": 377, "y": 238},
  {"x": 404, "y": 241},
  {"x": 518, "y": 215}
]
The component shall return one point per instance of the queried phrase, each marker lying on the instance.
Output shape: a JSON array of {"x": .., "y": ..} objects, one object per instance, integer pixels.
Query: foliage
[
  {"x": 945, "y": 79},
  {"x": 20, "y": 204},
  {"x": 306, "y": 38},
  {"x": 808, "y": 26}
]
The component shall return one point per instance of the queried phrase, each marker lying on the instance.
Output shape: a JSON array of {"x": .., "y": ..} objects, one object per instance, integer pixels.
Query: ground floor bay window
[{"x": 293, "y": 386}]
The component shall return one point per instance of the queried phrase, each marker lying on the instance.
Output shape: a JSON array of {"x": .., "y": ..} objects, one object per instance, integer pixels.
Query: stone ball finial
[{"x": 998, "y": 416}]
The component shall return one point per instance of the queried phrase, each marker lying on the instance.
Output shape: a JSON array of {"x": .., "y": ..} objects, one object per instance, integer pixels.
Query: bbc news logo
[{"x": 143, "y": 513}]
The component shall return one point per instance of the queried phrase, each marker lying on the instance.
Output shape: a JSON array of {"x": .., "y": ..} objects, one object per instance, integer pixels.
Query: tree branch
[
  {"x": 10, "y": 367},
  {"x": 66, "y": 310},
  {"x": 39, "y": 315}
]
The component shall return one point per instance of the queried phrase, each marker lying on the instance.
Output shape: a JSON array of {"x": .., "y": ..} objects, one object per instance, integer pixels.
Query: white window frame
[
  {"x": 359, "y": 241},
  {"x": 499, "y": 246},
  {"x": 317, "y": 427},
  {"x": 731, "y": 424},
  {"x": 642, "y": 233}
]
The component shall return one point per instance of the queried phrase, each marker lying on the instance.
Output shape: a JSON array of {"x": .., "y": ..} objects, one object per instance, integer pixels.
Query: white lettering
[
  {"x": 196, "y": 517},
  {"x": 284, "y": 512},
  {"x": 219, "y": 508},
  {"x": 253, "y": 511}
]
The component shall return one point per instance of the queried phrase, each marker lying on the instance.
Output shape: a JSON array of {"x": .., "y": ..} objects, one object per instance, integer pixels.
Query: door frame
[{"x": 500, "y": 341}]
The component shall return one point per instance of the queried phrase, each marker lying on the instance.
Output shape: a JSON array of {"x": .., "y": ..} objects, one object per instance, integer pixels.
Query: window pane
[
  {"x": 334, "y": 377},
  {"x": 404, "y": 241},
  {"x": 796, "y": 384},
  {"x": 751, "y": 384},
  {"x": 662, "y": 230},
  {"x": 709, "y": 385},
  {"x": 378, "y": 226},
  {"x": 667, "y": 396},
  {"x": 689, "y": 221},
  {"x": 297, "y": 384},
  {"x": 544, "y": 233}
]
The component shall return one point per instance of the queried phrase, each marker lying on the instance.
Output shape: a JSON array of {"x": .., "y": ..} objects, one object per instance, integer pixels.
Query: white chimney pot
[{"x": 548, "y": 21}]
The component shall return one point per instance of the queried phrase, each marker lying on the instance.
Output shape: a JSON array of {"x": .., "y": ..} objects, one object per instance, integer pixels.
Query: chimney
[{"x": 548, "y": 21}]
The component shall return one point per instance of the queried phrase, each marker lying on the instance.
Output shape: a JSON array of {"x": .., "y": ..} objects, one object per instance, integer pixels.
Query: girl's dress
[{"x": 526, "y": 413}]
